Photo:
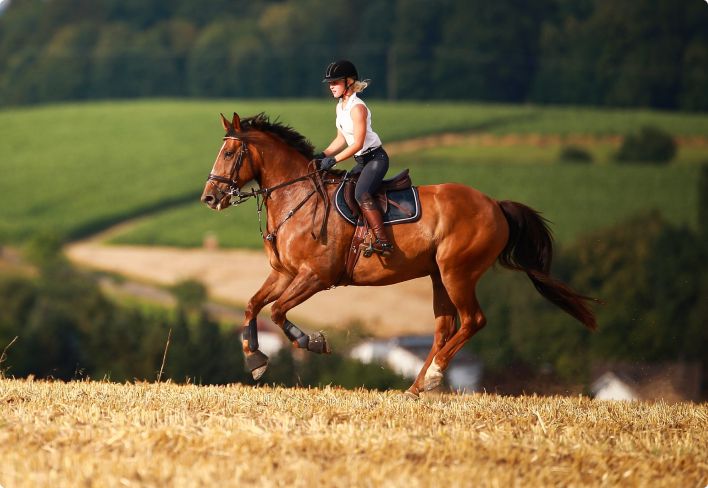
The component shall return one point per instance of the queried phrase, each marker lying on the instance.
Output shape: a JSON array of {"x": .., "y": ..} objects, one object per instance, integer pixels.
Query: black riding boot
[{"x": 373, "y": 216}]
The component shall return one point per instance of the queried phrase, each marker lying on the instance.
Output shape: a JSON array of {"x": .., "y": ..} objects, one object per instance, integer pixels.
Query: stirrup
[{"x": 378, "y": 247}]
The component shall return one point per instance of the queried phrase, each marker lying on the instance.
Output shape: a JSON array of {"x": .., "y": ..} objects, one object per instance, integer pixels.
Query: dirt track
[{"x": 233, "y": 276}]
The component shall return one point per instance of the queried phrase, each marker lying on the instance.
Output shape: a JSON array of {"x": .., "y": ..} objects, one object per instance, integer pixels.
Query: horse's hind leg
[
  {"x": 270, "y": 290},
  {"x": 302, "y": 287},
  {"x": 445, "y": 313},
  {"x": 461, "y": 289}
]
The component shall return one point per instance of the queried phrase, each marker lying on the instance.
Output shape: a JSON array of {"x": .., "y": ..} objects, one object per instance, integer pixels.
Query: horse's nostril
[{"x": 208, "y": 199}]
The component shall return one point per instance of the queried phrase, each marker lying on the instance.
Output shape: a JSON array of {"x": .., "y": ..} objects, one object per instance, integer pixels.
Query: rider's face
[{"x": 337, "y": 88}]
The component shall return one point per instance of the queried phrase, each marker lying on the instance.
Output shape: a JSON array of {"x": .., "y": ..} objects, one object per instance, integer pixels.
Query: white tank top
[{"x": 345, "y": 124}]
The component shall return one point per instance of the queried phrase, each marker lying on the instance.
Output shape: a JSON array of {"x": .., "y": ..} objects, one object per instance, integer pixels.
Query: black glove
[
  {"x": 327, "y": 162},
  {"x": 319, "y": 155}
]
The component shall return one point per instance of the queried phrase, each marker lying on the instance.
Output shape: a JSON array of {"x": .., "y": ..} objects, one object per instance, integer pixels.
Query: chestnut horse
[{"x": 460, "y": 235}]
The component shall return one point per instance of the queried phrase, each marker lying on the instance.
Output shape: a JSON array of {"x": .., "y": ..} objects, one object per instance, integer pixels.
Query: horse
[{"x": 460, "y": 234}]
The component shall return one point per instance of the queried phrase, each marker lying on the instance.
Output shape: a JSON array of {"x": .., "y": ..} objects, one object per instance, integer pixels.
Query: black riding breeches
[{"x": 373, "y": 167}]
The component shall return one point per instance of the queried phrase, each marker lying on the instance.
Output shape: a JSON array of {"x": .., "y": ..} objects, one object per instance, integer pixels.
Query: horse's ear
[
  {"x": 226, "y": 124},
  {"x": 236, "y": 122}
]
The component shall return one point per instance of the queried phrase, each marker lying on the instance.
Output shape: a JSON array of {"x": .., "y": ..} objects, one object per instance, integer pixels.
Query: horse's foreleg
[
  {"x": 302, "y": 287},
  {"x": 270, "y": 290},
  {"x": 445, "y": 313}
]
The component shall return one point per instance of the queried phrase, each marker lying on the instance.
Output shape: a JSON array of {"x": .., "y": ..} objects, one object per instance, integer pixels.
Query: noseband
[{"x": 233, "y": 188}]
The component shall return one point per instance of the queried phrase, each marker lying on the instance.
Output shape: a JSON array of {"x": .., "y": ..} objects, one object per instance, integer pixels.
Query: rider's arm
[
  {"x": 336, "y": 146},
  {"x": 358, "y": 114}
]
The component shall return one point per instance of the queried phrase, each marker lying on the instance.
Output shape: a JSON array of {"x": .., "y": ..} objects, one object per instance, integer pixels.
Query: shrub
[
  {"x": 190, "y": 294},
  {"x": 575, "y": 154},
  {"x": 650, "y": 144}
]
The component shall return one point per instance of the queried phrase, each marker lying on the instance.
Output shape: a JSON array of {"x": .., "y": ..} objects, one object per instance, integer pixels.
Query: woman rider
[{"x": 356, "y": 138}]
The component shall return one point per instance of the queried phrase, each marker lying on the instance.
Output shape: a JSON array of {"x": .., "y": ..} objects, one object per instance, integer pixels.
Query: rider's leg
[
  {"x": 373, "y": 216},
  {"x": 371, "y": 176}
]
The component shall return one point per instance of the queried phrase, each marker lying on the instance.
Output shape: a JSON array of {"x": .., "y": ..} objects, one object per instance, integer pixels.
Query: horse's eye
[{"x": 228, "y": 154}]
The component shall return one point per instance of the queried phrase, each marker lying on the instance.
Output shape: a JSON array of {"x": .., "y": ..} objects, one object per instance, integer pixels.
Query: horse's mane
[{"x": 287, "y": 134}]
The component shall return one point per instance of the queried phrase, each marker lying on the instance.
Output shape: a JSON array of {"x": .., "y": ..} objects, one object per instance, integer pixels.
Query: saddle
[
  {"x": 397, "y": 198},
  {"x": 399, "y": 203}
]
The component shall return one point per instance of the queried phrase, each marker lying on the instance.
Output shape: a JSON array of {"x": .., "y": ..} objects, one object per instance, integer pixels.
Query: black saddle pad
[{"x": 407, "y": 200}]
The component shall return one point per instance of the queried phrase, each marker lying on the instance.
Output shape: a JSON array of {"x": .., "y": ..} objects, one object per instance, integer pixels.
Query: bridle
[
  {"x": 262, "y": 194},
  {"x": 233, "y": 188}
]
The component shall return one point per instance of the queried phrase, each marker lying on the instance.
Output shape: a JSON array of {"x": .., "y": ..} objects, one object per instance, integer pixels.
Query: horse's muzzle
[{"x": 213, "y": 201}]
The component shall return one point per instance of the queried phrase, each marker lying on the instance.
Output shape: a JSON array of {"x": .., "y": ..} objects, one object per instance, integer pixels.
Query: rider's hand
[{"x": 327, "y": 163}]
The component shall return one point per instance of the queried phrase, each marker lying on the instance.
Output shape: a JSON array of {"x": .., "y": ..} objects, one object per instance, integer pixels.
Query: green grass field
[
  {"x": 575, "y": 198},
  {"x": 77, "y": 168}
]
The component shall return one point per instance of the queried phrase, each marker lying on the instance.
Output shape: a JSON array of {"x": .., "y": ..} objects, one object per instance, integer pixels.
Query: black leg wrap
[
  {"x": 255, "y": 360},
  {"x": 250, "y": 333},
  {"x": 318, "y": 344},
  {"x": 295, "y": 334}
]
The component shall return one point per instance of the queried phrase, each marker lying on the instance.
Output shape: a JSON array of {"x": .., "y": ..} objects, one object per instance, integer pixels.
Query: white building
[
  {"x": 406, "y": 356},
  {"x": 611, "y": 387}
]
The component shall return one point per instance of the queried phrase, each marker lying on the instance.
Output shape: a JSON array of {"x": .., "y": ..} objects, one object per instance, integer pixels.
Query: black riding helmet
[{"x": 339, "y": 70}]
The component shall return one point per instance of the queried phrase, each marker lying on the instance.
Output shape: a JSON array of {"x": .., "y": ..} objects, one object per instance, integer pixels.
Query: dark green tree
[
  {"x": 63, "y": 68},
  {"x": 416, "y": 32},
  {"x": 113, "y": 72},
  {"x": 488, "y": 50},
  {"x": 218, "y": 65},
  {"x": 622, "y": 54},
  {"x": 370, "y": 46},
  {"x": 651, "y": 276},
  {"x": 694, "y": 76},
  {"x": 217, "y": 357}
]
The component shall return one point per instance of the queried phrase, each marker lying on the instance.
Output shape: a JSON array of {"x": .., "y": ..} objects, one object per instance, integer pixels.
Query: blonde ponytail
[{"x": 360, "y": 85}]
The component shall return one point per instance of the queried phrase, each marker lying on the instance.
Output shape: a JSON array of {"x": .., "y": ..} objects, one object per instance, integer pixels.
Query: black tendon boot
[{"x": 373, "y": 216}]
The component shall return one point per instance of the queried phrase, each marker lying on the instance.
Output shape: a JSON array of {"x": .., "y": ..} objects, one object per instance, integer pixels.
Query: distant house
[
  {"x": 670, "y": 382},
  {"x": 406, "y": 355},
  {"x": 609, "y": 386}
]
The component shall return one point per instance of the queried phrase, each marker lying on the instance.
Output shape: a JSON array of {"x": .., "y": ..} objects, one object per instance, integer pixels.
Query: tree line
[{"x": 644, "y": 53}]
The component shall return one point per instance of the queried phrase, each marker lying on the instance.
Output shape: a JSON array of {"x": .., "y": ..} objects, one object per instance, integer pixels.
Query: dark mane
[{"x": 287, "y": 134}]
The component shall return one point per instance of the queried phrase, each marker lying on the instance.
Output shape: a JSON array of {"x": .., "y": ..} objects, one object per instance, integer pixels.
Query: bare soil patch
[{"x": 233, "y": 276}]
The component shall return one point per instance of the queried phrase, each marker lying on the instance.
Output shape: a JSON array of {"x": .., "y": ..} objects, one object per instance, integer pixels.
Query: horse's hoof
[
  {"x": 433, "y": 377},
  {"x": 258, "y": 372},
  {"x": 318, "y": 344},
  {"x": 411, "y": 395},
  {"x": 257, "y": 363}
]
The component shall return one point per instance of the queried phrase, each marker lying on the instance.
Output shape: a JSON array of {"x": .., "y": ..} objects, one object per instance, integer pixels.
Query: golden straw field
[{"x": 160, "y": 434}]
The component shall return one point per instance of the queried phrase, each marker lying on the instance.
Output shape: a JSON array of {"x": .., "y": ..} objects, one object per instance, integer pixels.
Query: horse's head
[{"x": 232, "y": 169}]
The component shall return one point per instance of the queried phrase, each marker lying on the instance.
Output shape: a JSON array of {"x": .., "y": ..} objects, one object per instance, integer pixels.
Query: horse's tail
[{"x": 530, "y": 249}]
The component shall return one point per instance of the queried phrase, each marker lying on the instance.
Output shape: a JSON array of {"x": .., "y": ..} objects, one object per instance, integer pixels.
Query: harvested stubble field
[{"x": 106, "y": 434}]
